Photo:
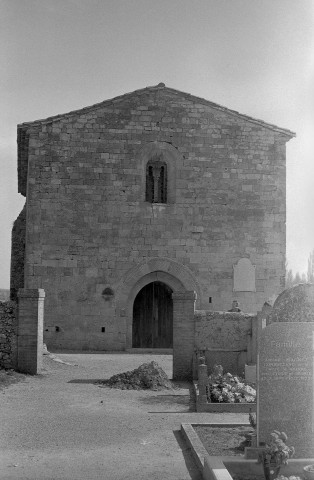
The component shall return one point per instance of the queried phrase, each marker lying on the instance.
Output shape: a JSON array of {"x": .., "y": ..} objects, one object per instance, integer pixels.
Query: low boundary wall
[{"x": 225, "y": 338}]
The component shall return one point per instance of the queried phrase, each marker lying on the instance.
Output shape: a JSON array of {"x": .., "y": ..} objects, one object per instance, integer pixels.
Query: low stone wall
[
  {"x": 8, "y": 335},
  {"x": 225, "y": 338}
]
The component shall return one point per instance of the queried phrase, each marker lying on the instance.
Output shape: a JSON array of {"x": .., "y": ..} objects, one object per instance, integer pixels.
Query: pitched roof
[
  {"x": 160, "y": 86},
  {"x": 23, "y": 133}
]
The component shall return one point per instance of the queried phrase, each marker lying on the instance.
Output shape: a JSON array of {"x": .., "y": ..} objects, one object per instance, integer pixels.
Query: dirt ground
[
  {"x": 61, "y": 425},
  {"x": 224, "y": 441},
  {"x": 8, "y": 377}
]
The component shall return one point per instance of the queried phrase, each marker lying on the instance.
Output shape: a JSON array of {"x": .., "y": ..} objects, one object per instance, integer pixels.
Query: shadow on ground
[
  {"x": 96, "y": 381},
  {"x": 164, "y": 397},
  {"x": 172, "y": 399},
  {"x": 167, "y": 399},
  {"x": 9, "y": 377},
  {"x": 188, "y": 458}
]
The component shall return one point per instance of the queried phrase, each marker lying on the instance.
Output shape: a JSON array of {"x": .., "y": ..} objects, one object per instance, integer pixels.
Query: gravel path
[{"x": 60, "y": 425}]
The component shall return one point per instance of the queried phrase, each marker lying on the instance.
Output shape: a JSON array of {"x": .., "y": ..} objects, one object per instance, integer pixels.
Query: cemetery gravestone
[
  {"x": 286, "y": 385},
  {"x": 294, "y": 304}
]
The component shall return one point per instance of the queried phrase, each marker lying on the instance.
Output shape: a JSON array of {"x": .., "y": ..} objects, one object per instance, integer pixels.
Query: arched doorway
[{"x": 153, "y": 317}]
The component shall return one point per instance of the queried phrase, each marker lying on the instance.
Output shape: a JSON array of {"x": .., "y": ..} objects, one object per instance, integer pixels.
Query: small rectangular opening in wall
[
  {"x": 210, "y": 300},
  {"x": 50, "y": 328},
  {"x": 103, "y": 329},
  {"x": 57, "y": 329}
]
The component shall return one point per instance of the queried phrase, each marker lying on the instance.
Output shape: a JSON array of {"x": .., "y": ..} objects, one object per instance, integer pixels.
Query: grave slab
[{"x": 285, "y": 399}]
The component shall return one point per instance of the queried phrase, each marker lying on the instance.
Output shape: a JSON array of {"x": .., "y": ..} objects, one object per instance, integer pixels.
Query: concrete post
[
  {"x": 254, "y": 339},
  {"x": 183, "y": 333},
  {"x": 260, "y": 325},
  {"x": 30, "y": 330},
  {"x": 249, "y": 349},
  {"x": 202, "y": 380}
]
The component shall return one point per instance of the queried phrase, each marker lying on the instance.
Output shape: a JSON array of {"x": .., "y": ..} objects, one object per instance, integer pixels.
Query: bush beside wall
[
  {"x": 18, "y": 254},
  {"x": 8, "y": 335}
]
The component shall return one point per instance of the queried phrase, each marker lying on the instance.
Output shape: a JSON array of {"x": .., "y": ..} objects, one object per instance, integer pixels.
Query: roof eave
[{"x": 193, "y": 98}]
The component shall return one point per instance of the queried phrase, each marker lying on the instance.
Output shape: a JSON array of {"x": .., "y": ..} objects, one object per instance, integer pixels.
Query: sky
[{"x": 253, "y": 56}]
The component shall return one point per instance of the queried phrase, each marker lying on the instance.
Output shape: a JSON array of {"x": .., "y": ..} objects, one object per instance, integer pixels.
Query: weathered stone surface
[
  {"x": 244, "y": 276},
  {"x": 223, "y": 338},
  {"x": 286, "y": 384},
  {"x": 295, "y": 304},
  {"x": 225, "y": 330}
]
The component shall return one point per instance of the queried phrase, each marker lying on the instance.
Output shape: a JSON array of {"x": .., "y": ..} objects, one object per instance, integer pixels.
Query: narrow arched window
[{"x": 156, "y": 181}]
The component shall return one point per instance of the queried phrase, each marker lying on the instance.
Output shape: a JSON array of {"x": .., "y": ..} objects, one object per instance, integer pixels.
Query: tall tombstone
[
  {"x": 285, "y": 400},
  {"x": 295, "y": 304}
]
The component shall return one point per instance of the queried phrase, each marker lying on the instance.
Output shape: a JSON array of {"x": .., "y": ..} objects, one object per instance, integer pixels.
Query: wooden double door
[{"x": 153, "y": 317}]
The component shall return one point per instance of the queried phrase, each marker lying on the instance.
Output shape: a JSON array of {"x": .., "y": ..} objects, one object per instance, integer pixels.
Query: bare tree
[
  {"x": 310, "y": 267},
  {"x": 292, "y": 279},
  {"x": 289, "y": 278}
]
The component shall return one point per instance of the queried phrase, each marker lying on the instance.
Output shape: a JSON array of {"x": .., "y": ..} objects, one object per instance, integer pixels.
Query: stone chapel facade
[{"x": 138, "y": 198}]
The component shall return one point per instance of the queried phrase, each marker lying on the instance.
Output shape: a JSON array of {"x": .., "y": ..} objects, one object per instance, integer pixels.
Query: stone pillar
[
  {"x": 183, "y": 333},
  {"x": 30, "y": 330}
]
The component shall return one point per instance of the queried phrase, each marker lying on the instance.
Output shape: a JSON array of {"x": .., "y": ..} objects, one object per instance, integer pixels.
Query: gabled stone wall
[{"x": 88, "y": 223}]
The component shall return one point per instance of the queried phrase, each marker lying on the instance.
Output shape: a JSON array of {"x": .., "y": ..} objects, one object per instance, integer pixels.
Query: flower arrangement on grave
[
  {"x": 292, "y": 477},
  {"x": 308, "y": 472},
  {"x": 275, "y": 454},
  {"x": 228, "y": 388}
]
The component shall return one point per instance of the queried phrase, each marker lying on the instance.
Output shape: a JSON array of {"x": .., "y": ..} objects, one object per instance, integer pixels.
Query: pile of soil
[{"x": 147, "y": 376}]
